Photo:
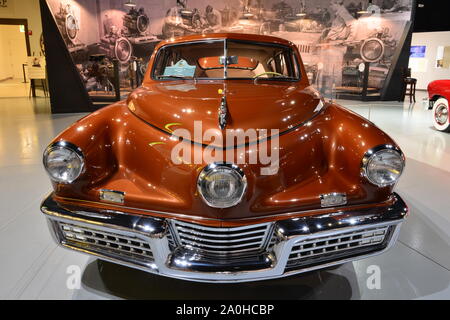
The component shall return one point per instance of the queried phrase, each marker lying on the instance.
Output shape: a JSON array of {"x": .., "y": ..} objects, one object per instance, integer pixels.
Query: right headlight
[
  {"x": 63, "y": 161},
  {"x": 383, "y": 165}
]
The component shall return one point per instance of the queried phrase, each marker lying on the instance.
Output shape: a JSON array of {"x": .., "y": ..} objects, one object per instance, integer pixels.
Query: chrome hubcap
[{"x": 441, "y": 114}]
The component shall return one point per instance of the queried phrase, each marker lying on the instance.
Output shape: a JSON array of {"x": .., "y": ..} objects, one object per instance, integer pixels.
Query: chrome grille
[
  {"x": 332, "y": 247},
  {"x": 228, "y": 242},
  {"x": 106, "y": 241}
]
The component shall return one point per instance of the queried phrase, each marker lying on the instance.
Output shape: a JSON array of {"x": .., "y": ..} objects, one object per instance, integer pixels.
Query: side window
[
  {"x": 283, "y": 68},
  {"x": 278, "y": 64},
  {"x": 271, "y": 65}
]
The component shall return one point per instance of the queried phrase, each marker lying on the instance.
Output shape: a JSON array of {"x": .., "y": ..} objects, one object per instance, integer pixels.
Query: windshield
[{"x": 225, "y": 59}]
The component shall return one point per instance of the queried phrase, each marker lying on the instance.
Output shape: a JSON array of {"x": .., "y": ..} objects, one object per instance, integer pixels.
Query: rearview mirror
[
  {"x": 230, "y": 60},
  {"x": 234, "y": 62}
]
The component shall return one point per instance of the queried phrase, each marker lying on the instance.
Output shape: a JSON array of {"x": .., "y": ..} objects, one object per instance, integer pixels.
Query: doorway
[{"x": 14, "y": 52}]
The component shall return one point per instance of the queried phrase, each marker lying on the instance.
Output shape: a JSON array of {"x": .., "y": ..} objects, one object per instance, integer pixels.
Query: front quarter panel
[{"x": 126, "y": 154}]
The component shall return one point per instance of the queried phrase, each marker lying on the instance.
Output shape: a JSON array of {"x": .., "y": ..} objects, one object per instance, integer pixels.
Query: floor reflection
[{"x": 127, "y": 283}]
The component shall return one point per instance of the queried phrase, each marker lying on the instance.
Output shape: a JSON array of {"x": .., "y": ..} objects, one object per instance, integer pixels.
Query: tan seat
[{"x": 232, "y": 73}]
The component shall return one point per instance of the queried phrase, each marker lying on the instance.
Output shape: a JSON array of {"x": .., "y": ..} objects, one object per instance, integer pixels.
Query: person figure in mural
[
  {"x": 213, "y": 19},
  {"x": 321, "y": 15},
  {"x": 113, "y": 32},
  {"x": 89, "y": 81},
  {"x": 331, "y": 63},
  {"x": 197, "y": 19},
  {"x": 174, "y": 22},
  {"x": 396, "y": 5},
  {"x": 245, "y": 5},
  {"x": 228, "y": 16},
  {"x": 133, "y": 12},
  {"x": 282, "y": 10},
  {"x": 342, "y": 26},
  {"x": 254, "y": 7},
  {"x": 354, "y": 8},
  {"x": 109, "y": 29}
]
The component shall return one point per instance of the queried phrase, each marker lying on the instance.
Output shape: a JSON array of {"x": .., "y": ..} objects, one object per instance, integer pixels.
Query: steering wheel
[{"x": 268, "y": 72}]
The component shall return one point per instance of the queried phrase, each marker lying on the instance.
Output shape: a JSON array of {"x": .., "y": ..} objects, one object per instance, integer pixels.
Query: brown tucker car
[{"x": 138, "y": 183}]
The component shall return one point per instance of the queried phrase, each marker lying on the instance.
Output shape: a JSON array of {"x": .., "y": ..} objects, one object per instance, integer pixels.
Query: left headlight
[
  {"x": 63, "y": 161},
  {"x": 383, "y": 165}
]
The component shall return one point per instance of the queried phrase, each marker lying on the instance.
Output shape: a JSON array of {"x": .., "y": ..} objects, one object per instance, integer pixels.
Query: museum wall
[
  {"x": 26, "y": 9},
  {"x": 425, "y": 69},
  {"x": 334, "y": 36},
  {"x": 5, "y": 71},
  {"x": 13, "y": 51}
]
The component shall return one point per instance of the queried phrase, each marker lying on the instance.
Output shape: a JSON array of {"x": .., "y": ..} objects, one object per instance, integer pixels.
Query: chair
[
  {"x": 411, "y": 91},
  {"x": 408, "y": 80},
  {"x": 43, "y": 85}
]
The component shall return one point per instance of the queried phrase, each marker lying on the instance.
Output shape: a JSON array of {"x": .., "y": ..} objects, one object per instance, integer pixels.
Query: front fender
[{"x": 321, "y": 156}]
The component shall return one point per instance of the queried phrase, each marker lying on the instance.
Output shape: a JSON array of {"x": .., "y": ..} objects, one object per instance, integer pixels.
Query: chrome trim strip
[
  {"x": 186, "y": 260},
  {"x": 239, "y": 240},
  {"x": 199, "y": 218},
  {"x": 141, "y": 224},
  {"x": 192, "y": 265}
]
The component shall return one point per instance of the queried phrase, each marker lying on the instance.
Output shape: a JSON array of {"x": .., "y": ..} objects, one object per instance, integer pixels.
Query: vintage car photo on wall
[
  {"x": 225, "y": 166},
  {"x": 334, "y": 36}
]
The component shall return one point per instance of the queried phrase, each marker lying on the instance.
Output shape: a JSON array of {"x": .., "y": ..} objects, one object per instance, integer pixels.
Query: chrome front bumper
[{"x": 287, "y": 247}]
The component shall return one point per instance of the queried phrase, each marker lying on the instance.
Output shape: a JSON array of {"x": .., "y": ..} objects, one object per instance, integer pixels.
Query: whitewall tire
[{"x": 441, "y": 115}]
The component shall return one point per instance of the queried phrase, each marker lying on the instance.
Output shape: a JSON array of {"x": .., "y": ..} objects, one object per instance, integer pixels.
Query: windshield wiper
[
  {"x": 174, "y": 77},
  {"x": 275, "y": 76}
]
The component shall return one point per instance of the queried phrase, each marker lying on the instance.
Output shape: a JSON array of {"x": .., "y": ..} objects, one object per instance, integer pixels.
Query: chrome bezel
[
  {"x": 370, "y": 153},
  {"x": 64, "y": 145},
  {"x": 212, "y": 167},
  {"x": 118, "y": 193},
  {"x": 323, "y": 197}
]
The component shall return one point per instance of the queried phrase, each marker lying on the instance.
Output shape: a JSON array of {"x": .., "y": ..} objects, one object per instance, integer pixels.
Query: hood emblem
[{"x": 223, "y": 113}]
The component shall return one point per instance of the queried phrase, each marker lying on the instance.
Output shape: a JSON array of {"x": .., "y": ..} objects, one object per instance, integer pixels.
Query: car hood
[{"x": 172, "y": 105}]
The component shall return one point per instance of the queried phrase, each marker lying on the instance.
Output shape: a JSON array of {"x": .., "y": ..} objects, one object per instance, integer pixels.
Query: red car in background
[{"x": 439, "y": 95}]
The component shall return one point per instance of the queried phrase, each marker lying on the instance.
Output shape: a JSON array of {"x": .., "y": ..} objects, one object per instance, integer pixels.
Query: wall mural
[{"x": 335, "y": 37}]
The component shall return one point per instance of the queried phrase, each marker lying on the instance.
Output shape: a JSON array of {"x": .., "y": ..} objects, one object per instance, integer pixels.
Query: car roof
[{"x": 234, "y": 36}]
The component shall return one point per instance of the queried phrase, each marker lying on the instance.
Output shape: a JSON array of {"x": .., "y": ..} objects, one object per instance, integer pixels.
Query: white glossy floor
[{"x": 33, "y": 267}]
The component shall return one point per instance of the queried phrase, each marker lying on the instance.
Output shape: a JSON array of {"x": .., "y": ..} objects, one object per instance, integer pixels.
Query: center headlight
[
  {"x": 383, "y": 165},
  {"x": 222, "y": 185},
  {"x": 63, "y": 161}
]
